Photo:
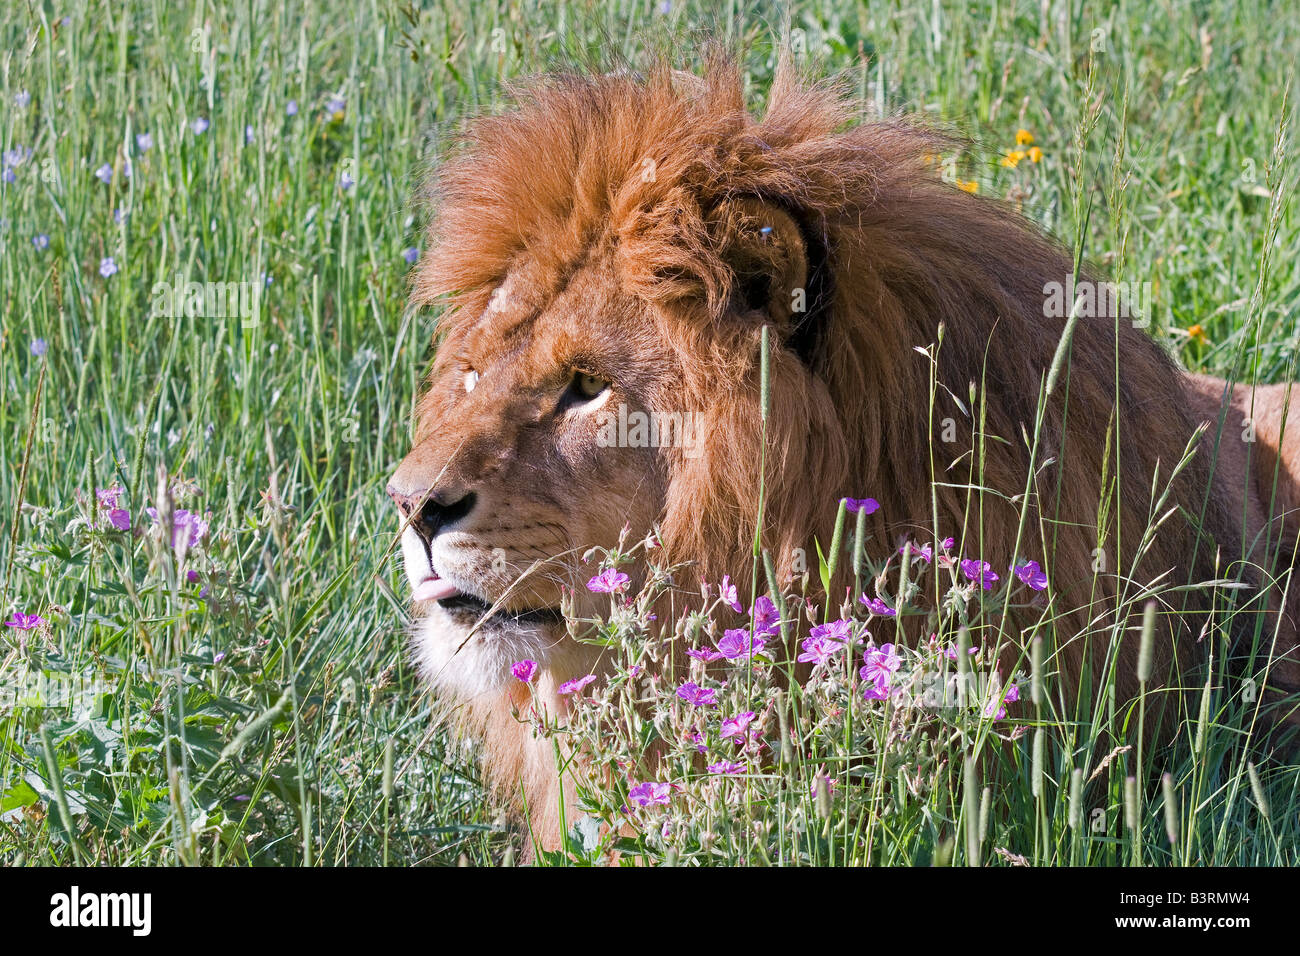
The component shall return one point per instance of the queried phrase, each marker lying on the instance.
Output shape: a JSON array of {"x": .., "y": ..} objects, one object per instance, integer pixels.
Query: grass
[{"x": 275, "y": 719}]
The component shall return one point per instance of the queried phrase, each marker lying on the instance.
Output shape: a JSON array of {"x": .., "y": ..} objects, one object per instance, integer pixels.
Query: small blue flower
[
  {"x": 144, "y": 142},
  {"x": 107, "y": 267},
  {"x": 291, "y": 108},
  {"x": 104, "y": 174},
  {"x": 248, "y": 135},
  {"x": 200, "y": 126},
  {"x": 39, "y": 347},
  {"x": 335, "y": 106},
  {"x": 346, "y": 181},
  {"x": 410, "y": 255},
  {"x": 41, "y": 241},
  {"x": 21, "y": 99},
  {"x": 8, "y": 175}
]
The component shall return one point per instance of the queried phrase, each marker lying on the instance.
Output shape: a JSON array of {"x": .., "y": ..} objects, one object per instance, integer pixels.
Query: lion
[{"x": 617, "y": 244}]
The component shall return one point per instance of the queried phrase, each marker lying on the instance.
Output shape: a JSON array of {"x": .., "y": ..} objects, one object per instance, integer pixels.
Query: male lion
[{"x": 617, "y": 243}]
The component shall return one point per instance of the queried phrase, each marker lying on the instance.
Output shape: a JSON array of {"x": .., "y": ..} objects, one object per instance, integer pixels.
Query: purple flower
[
  {"x": 187, "y": 526},
  {"x": 248, "y": 135},
  {"x": 727, "y": 592},
  {"x": 650, "y": 793},
  {"x": 411, "y": 255},
  {"x": 8, "y": 175},
  {"x": 524, "y": 670},
  {"x": 877, "y": 606},
  {"x": 200, "y": 126},
  {"x": 876, "y": 690},
  {"x": 120, "y": 519},
  {"x": 41, "y": 241},
  {"x": 726, "y": 767},
  {"x": 40, "y": 347},
  {"x": 705, "y": 654},
  {"x": 1031, "y": 574},
  {"x": 25, "y": 622},
  {"x": 767, "y": 621},
  {"x": 573, "y": 686},
  {"x": 21, "y": 99},
  {"x": 335, "y": 106},
  {"x": 868, "y": 505},
  {"x": 736, "y": 726},
  {"x": 219, "y": 657},
  {"x": 609, "y": 581},
  {"x": 978, "y": 571},
  {"x": 107, "y": 267},
  {"x": 143, "y": 142},
  {"x": 104, "y": 174},
  {"x": 736, "y": 642},
  {"x": 346, "y": 181},
  {"x": 697, "y": 696},
  {"x": 996, "y": 708},
  {"x": 192, "y": 576},
  {"x": 922, "y": 551},
  {"x": 947, "y": 543},
  {"x": 823, "y": 641},
  {"x": 841, "y": 630},
  {"x": 110, "y": 497},
  {"x": 291, "y": 108},
  {"x": 879, "y": 666},
  {"x": 818, "y": 649}
]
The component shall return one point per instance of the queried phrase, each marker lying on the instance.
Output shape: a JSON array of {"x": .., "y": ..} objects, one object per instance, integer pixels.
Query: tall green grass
[{"x": 255, "y": 723}]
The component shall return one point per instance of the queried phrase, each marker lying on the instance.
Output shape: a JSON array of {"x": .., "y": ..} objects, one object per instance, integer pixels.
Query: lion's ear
[{"x": 765, "y": 250}]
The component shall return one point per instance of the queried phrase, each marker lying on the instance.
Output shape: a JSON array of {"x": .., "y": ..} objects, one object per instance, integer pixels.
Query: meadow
[{"x": 208, "y": 217}]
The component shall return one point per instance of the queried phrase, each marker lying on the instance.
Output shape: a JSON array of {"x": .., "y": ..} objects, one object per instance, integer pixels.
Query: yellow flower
[
  {"x": 1024, "y": 137},
  {"x": 1036, "y": 154},
  {"x": 1197, "y": 334},
  {"x": 970, "y": 186},
  {"x": 1013, "y": 157}
]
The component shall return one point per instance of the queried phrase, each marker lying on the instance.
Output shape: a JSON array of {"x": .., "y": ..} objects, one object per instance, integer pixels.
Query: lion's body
[{"x": 644, "y": 230}]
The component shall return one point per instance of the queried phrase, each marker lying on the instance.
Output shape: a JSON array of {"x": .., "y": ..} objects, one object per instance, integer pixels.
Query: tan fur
[{"x": 620, "y": 223}]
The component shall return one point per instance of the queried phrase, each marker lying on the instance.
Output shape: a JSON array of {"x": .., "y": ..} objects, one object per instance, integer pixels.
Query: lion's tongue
[{"x": 434, "y": 589}]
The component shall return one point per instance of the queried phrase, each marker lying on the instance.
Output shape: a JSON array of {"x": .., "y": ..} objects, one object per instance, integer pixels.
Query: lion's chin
[{"x": 466, "y": 665}]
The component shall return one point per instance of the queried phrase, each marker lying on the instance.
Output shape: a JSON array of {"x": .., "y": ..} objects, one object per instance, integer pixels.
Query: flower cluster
[
  {"x": 691, "y": 723},
  {"x": 1016, "y": 155}
]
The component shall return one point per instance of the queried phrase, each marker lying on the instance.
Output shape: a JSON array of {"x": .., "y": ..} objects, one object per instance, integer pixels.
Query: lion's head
[{"x": 610, "y": 251}]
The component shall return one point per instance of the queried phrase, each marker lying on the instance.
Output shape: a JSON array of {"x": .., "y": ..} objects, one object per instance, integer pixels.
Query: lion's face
[{"x": 512, "y": 479}]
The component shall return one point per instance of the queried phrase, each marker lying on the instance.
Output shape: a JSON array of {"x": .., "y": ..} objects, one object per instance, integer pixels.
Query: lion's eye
[
  {"x": 588, "y": 386},
  {"x": 471, "y": 379}
]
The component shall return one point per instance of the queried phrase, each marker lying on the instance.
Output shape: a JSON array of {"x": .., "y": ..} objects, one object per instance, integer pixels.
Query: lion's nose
[{"x": 431, "y": 511}]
